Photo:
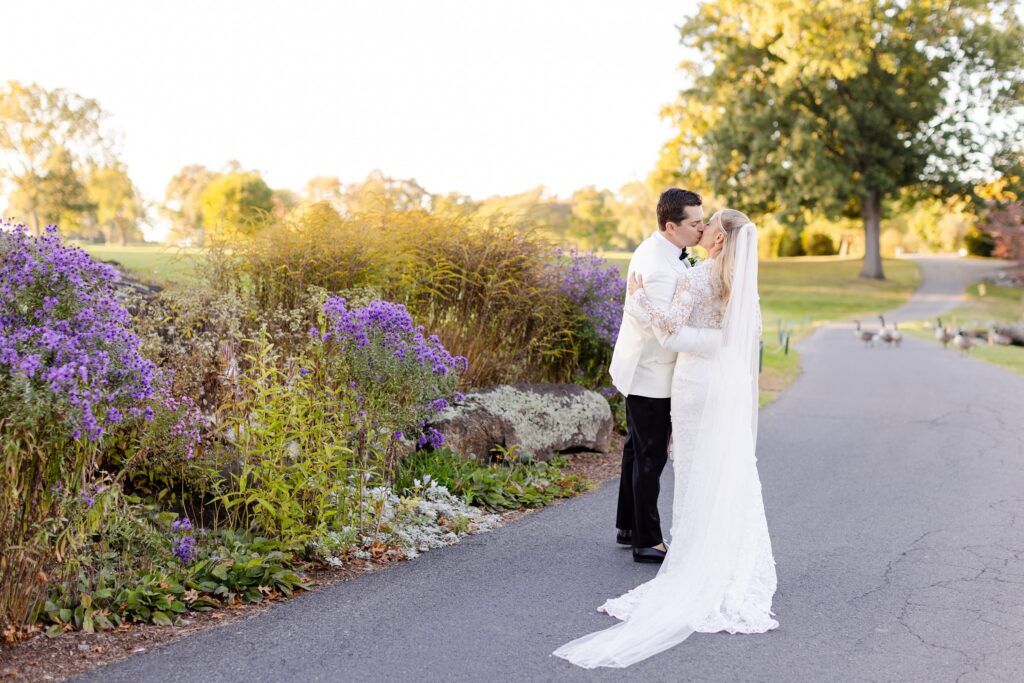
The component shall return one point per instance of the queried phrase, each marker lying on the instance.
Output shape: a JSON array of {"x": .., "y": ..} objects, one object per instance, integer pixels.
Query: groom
[{"x": 642, "y": 371}]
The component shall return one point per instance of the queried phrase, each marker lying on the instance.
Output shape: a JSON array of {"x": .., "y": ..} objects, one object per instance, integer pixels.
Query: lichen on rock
[{"x": 540, "y": 419}]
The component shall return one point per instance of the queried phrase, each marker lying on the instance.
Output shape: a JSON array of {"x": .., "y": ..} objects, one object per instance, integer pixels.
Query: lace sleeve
[{"x": 678, "y": 311}]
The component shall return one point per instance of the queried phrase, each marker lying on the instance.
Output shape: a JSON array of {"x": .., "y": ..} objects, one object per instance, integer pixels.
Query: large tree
[
  {"x": 1005, "y": 223},
  {"x": 635, "y": 209},
  {"x": 56, "y": 195},
  {"x": 236, "y": 203},
  {"x": 534, "y": 207},
  {"x": 47, "y": 138},
  {"x": 324, "y": 188},
  {"x": 593, "y": 224},
  {"x": 183, "y": 203},
  {"x": 380, "y": 192},
  {"x": 117, "y": 203},
  {"x": 837, "y": 105}
]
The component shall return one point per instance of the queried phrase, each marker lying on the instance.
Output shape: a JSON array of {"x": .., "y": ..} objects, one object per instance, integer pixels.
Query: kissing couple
[{"x": 687, "y": 361}]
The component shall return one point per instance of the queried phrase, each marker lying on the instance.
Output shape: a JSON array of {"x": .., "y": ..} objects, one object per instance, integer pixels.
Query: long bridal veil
[{"x": 720, "y": 505}]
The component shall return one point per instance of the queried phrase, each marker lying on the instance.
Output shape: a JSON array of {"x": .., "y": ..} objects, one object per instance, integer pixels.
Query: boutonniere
[{"x": 693, "y": 259}]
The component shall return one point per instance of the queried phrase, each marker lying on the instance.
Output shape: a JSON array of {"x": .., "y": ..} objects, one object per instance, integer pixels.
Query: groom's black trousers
[{"x": 643, "y": 458}]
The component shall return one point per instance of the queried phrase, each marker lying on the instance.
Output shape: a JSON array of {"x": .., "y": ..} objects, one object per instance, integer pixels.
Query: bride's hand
[{"x": 636, "y": 281}]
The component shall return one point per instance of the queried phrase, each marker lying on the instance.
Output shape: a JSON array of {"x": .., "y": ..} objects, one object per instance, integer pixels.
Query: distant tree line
[{"x": 61, "y": 165}]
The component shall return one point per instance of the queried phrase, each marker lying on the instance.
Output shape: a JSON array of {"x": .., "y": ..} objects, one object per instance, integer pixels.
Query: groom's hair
[{"x": 672, "y": 204}]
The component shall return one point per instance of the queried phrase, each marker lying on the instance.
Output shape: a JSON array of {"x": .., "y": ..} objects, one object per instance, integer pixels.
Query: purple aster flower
[
  {"x": 595, "y": 287},
  {"x": 186, "y": 549},
  {"x": 76, "y": 348}
]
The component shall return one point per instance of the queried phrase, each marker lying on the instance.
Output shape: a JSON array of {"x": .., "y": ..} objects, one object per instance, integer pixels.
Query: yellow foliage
[
  {"x": 999, "y": 190},
  {"x": 480, "y": 283}
]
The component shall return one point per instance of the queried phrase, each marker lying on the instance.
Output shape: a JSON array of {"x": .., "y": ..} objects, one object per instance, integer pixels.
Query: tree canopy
[
  {"x": 117, "y": 204},
  {"x": 47, "y": 139},
  {"x": 836, "y": 105},
  {"x": 238, "y": 202}
]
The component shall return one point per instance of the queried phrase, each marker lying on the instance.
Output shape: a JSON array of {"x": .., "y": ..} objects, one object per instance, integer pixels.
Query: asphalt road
[
  {"x": 943, "y": 281},
  {"x": 894, "y": 489}
]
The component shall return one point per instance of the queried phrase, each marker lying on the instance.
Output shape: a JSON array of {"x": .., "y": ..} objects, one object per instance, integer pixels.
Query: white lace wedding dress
[{"x": 719, "y": 573}]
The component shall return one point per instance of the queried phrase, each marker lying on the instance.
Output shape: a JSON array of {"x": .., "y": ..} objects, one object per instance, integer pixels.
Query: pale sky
[{"x": 485, "y": 97}]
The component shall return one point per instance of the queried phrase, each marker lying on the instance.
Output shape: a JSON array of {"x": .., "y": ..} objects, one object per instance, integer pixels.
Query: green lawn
[
  {"x": 825, "y": 289},
  {"x": 1009, "y": 357},
  {"x": 809, "y": 290},
  {"x": 155, "y": 262},
  {"x": 778, "y": 371},
  {"x": 986, "y": 303}
]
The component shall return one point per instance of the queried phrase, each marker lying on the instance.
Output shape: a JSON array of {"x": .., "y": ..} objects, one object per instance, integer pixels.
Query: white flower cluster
[{"x": 429, "y": 519}]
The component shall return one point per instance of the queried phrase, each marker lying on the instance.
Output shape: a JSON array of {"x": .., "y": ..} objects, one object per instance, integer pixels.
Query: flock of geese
[
  {"x": 964, "y": 340},
  {"x": 960, "y": 341},
  {"x": 890, "y": 336}
]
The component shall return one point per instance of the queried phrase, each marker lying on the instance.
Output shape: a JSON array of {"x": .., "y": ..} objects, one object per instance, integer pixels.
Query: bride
[{"x": 719, "y": 573}]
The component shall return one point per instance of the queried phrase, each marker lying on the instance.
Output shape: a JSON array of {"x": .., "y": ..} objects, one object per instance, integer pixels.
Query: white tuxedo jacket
[{"x": 640, "y": 365}]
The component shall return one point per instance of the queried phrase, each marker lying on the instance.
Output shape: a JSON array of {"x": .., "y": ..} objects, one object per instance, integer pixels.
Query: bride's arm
[
  {"x": 659, "y": 288},
  {"x": 669, "y": 325}
]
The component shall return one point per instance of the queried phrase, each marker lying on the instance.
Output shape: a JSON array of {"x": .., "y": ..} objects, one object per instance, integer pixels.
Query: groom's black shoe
[
  {"x": 648, "y": 555},
  {"x": 624, "y": 536}
]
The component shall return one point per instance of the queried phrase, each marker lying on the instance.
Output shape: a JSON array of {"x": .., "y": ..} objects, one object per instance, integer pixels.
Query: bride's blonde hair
[{"x": 730, "y": 220}]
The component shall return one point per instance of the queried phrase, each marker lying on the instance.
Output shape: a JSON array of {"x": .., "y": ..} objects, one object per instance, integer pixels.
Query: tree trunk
[
  {"x": 872, "y": 212},
  {"x": 122, "y": 237}
]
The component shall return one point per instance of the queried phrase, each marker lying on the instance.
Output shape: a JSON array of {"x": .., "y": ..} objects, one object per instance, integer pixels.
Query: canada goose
[
  {"x": 962, "y": 341},
  {"x": 884, "y": 333},
  {"x": 897, "y": 336},
  {"x": 866, "y": 336},
  {"x": 942, "y": 334}
]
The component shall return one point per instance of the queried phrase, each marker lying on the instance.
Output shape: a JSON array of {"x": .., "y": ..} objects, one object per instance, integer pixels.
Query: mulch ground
[{"x": 60, "y": 658}]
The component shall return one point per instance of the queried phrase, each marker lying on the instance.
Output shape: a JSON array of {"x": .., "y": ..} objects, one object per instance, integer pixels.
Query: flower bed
[{"x": 216, "y": 434}]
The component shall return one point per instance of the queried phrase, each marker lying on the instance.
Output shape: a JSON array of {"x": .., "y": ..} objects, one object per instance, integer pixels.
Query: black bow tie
[{"x": 682, "y": 256}]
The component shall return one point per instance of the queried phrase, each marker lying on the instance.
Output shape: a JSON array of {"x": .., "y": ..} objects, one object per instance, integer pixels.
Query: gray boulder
[
  {"x": 1014, "y": 332},
  {"x": 541, "y": 419}
]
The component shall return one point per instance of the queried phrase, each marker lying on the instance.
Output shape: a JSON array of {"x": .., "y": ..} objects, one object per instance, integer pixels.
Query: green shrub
[
  {"x": 232, "y": 568},
  {"x": 979, "y": 243},
  {"x": 313, "y": 430},
  {"x": 790, "y": 244},
  {"x": 292, "y": 434},
  {"x": 817, "y": 244},
  {"x": 506, "y": 484}
]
